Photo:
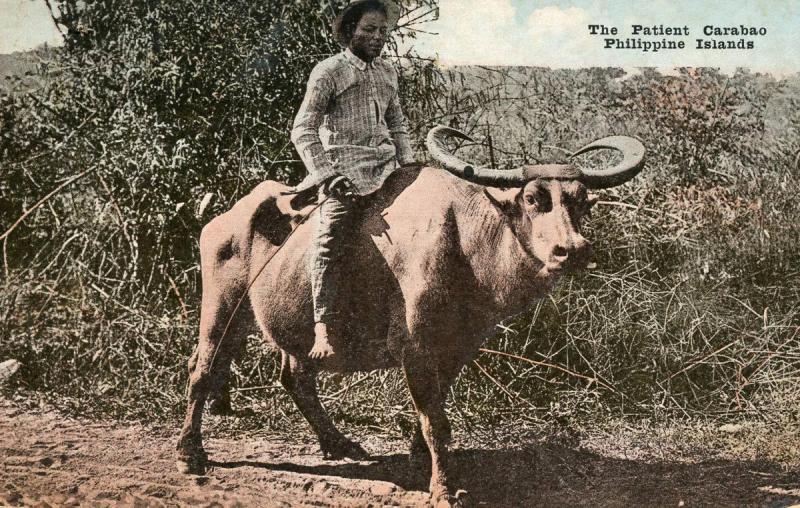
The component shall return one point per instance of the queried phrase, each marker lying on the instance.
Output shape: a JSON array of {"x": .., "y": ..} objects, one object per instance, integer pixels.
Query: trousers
[{"x": 329, "y": 239}]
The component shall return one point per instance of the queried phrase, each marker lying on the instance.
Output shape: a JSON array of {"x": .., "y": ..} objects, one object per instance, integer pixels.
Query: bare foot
[
  {"x": 321, "y": 350},
  {"x": 322, "y": 347}
]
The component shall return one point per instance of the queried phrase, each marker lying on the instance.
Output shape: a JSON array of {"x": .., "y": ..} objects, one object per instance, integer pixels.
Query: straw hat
[{"x": 392, "y": 11}]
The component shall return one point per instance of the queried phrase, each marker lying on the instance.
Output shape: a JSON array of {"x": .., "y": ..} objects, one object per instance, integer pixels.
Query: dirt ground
[{"x": 50, "y": 460}]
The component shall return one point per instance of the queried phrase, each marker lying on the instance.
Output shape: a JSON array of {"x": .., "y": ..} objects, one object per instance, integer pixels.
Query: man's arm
[
  {"x": 398, "y": 128},
  {"x": 305, "y": 132}
]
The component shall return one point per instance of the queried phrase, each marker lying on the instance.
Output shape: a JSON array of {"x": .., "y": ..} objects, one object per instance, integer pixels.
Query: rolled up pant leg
[{"x": 329, "y": 237}]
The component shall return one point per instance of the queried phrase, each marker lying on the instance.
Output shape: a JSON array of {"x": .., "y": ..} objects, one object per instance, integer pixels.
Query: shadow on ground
[
  {"x": 550, "y": 474},
  {"x": 61, "y": 461}
]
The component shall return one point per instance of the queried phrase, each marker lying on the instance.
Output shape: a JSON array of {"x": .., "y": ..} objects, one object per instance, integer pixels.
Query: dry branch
[
  {"x": 44, "y": 200},
  {"x": 503, "y": 388},
  {"x": 551, "y": 366}
]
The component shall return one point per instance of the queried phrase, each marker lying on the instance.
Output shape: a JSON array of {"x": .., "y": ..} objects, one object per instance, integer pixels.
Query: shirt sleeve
[
  {"x": 305, "y": 131},
  {"x": 398, "y": 128}
]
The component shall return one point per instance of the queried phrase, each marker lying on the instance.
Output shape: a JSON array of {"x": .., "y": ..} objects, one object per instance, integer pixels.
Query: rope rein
[
  {"x": 263, "y": 266},
  {"x": 250, "y": 284}
]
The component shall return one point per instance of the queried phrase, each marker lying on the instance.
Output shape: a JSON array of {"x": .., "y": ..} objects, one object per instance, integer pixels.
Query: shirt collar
[{"x": 359, "y": 63}]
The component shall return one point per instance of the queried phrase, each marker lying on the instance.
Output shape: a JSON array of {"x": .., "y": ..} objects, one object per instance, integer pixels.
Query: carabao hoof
[
  {"x": 192, "y": 465},
  {"x": 344, "y": 448}
]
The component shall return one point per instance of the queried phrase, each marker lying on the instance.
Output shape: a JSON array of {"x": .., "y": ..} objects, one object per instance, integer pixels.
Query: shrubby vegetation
[
  {"x": 691, "y": 308},
  {"x": 171, "y": 111}
]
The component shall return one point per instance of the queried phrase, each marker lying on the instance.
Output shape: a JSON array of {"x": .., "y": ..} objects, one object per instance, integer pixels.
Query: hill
[{"x": 23, "y": 70}]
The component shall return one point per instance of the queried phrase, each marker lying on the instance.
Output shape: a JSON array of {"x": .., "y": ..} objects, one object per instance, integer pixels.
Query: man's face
[{"x": 370, "y": 35}]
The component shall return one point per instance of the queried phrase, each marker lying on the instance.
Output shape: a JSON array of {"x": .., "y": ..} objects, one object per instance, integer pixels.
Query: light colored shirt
[{"x": 351, "y": 123}]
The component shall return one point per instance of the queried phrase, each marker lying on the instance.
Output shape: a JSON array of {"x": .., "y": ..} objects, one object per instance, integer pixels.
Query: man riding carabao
[{"x": 350, "y": 133}]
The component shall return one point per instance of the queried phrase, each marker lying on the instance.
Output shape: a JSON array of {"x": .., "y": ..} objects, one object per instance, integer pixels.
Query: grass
[{"x": 689, "y": 313}]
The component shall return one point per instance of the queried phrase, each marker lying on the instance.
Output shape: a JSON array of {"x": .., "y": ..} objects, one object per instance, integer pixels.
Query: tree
[{"x": 160, "y": 106}]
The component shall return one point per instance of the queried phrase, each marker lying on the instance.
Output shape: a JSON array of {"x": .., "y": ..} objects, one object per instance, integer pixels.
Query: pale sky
[
  {"x": 25, "y": 24},
  {"x": 550, "y": 33},
  {"x": 554, "y": 33}
]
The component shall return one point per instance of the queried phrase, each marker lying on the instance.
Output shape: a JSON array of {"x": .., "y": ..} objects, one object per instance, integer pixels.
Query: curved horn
[
  {"x": 465, "y": 170},
  {"x": 632, "y": 162}
]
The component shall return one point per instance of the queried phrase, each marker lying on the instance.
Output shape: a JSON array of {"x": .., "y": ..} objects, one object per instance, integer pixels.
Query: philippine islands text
[{"x": 654, "y": 38}]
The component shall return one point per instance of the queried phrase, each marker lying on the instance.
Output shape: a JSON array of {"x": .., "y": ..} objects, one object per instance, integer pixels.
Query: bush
[
  {"x": 162, "y": 106},
  {"x": 688, "y": 311}
]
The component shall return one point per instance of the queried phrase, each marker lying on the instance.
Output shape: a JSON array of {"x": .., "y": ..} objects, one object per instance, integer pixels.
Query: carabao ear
[{"x": 505, "y": 201}]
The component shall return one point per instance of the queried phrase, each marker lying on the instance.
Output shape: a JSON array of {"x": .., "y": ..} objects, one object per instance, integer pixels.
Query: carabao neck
[{"x": 499, "y": 261}]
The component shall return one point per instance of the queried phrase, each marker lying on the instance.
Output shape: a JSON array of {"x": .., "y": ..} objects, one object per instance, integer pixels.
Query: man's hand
[{"x": 341, "y": 187}]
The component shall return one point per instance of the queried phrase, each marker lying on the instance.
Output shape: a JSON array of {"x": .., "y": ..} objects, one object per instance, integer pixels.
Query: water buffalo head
[{"x": 544, "y": 204}]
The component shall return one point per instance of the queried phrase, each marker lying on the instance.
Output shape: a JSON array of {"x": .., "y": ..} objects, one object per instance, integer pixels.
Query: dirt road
[{"x": 50, "y": 460}]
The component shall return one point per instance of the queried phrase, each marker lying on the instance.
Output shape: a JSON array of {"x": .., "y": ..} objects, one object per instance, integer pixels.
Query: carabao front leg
[
  {"x": 299, "y": 378},
  {"x": 447, "y": 371},
  {"x": 419, "y": 454},
  {"x": 423, "y": 383}
]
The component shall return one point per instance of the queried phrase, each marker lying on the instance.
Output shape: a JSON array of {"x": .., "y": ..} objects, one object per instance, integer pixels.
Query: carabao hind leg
[
  {"x": 299, "y": 377},
  {"x": 422, "y": 377},
  {"x": 221, "y": 334},
  {"x": 219, "y": 402}
]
